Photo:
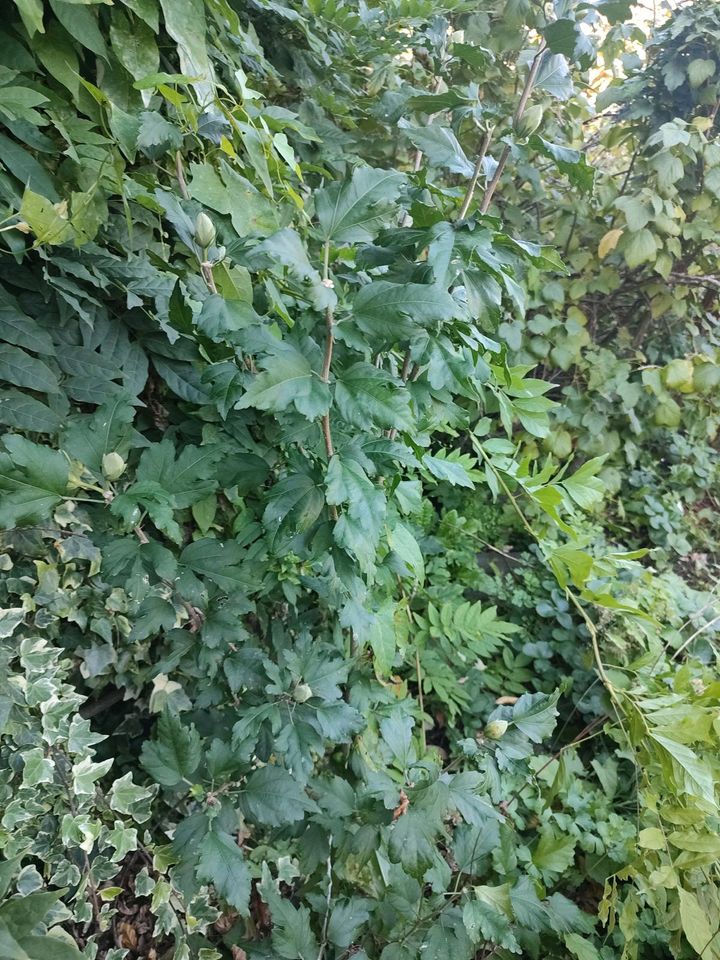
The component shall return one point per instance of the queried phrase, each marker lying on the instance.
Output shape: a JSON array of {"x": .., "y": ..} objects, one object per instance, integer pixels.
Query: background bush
[{"x": 359, "y": 484}]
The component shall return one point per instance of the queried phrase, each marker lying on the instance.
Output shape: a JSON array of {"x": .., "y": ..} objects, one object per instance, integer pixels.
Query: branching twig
[
  {"x": 462, "y": 213},
  {"x": 524, "y": 97}
]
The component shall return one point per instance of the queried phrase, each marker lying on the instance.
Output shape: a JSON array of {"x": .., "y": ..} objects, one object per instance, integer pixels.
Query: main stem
[
  {"x": 327, "y": 361},
  {"x": 520, "y": 110}
]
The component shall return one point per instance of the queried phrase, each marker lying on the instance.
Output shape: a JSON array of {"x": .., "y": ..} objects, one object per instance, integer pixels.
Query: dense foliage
[{"x": 358, "y": 484}]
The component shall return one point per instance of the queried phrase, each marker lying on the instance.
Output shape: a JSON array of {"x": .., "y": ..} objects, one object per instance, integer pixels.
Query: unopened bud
[
  {"x": 113, "y": 465},
  {"x": 496, "y": 729},
  {"x": 302, "y": 692},
  {"x": 204, "y": 231},
  {"x": 528, "y": 123}
]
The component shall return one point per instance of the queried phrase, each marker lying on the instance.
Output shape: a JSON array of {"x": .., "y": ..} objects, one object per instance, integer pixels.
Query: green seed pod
[
  {"x": 302, "y": 692},
  {"x": 528, "y": 122},
  {"x": 204, "y": 231},
  {"x": 113, "y": 466},
  {"x": 496, "y": 729}
]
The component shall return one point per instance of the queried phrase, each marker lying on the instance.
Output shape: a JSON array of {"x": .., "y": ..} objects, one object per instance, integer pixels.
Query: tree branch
[
  {"x": 462, "y": 213},
  {"x": 524, "y": 97}
]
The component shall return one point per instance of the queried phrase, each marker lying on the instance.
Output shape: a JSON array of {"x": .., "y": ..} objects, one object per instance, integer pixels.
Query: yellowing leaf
[
  {"x": 695, "y": 924},
  {"x": 609, "y": 242},
  {"x": 651, "y": 839}
]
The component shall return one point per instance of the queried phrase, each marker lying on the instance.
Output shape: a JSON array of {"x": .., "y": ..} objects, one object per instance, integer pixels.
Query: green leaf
[
  {"x": 441, "y": 147},
  {"x": 24, "y": 412},
  {"x": 287, "y": 379},
  {"x": 48, "y": 222},
  {"x": 529, "y": 911},
  {"x": 219, "y": 562},
  {"x": 534, "y": 715},
  {"x": 31, "y": 12},
  {"x": 637, "y": 214},
  {"x": 134, "y": 45},
  {"x": 292, "y": 936},
  {"x": 584, "y": 486},
  {"x": 484, "y": 923},
  {"x": 89, "y": 438},
  {"x": 185, "y": 22},
  {"x": 581, "y": 947},
  {"x": 33, "y": 479},
  {"x": 18, "y": 102},
  {"x": 358, "y": 528},
  {"x": 554, "y": 76},
  {"x": 272, "y": 796},
  {"x": 294, "y": 504},
  {"x": 187, "y": 479},
  {"x": 571, "y": 162},
  {"x": 700, "y": 70},
  {"x": 222, "y": 863},
  {"x": 353, "y": 211},
  {"x": 366, "y": 395},
  {"x": 692, "y": 775},
  {"x": 176, "y": 753},
  {"x": 156, "y": 135},
  {"x": 394, "y": 312},
  {"x": 347, "y": 918},
  {"x": 554, "y": 853}
]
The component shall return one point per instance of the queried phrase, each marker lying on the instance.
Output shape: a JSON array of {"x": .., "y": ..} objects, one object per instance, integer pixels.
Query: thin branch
[
  {"x": 327, "y": 361},
  {"x": 180, "y": 174},
  {"x": 702, "y": 629},
  {"x": 404, "y": 374},
  {"x": 699, "y": 281},
  {"x": 524, "y": 97},
  {"x": 592, "y": 630},
  {"x": 328, "y": 903},
  {"x": 476, "y": 173}
]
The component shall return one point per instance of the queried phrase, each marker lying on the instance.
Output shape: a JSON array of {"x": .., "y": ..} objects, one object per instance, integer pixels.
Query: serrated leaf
[
  {"x": 24, "y": 412},
  {"x": 534, "y": 715},
  {"x": 573, "y": 163},
  {"x": 395, "y": 311},
  {"x": 441, "y": 147},
  {"x": 364, "y": 395},
  {"x": 553, "y": 854},
  {"x": 358, "y": 528},
  {"x": 22, "y": 370},
  {"x": 272, "y": 796},
  {"x": 175, "y": 754},
  {"x": 222, "y": 863},
  {"x": 354, "y": 211},
  {"x": 294, "y": 504},
  {"x": 33, "y": 478},
  {"x": 287, "y": 379}
]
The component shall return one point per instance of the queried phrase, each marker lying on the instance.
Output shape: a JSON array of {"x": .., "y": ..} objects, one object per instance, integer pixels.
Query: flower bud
[
  {"x": 528, "y": 123},
  {"x": 113, "y": 465},
  {"x": 495, "y": 729},
  {"x": 302, "y": 692},
  {"x": 204, "y": 231}
]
